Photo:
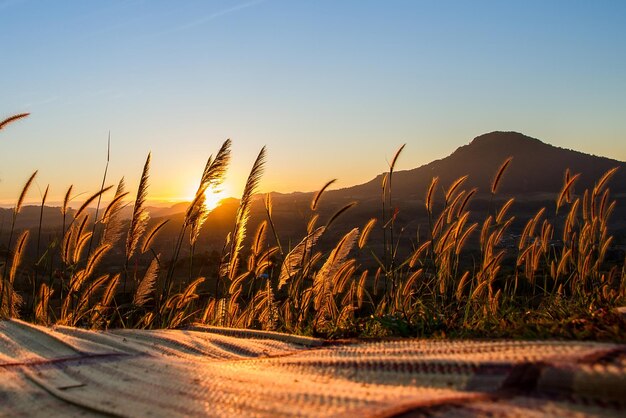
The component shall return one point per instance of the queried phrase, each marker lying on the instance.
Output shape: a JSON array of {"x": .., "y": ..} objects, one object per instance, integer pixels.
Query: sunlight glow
[{"x": 213, "y": 198}]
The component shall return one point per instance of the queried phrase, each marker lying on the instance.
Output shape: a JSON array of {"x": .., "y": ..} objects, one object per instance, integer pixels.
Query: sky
[{"x": 332, "y": 88}]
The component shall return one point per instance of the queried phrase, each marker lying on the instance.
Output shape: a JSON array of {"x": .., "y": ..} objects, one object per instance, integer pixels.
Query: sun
[{"x": 213, "y": 197}]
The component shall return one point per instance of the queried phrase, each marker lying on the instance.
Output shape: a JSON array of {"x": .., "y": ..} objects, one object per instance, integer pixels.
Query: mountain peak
[
  {"x": 537, "y": 168},
  {"x": 501, "y": 138}
]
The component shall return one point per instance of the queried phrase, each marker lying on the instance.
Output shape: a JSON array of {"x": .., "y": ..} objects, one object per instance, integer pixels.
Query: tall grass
[{"x": 459, "y": 278}]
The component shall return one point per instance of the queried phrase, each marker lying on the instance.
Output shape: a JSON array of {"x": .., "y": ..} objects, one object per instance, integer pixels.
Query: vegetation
[{"x": 556, "y": 281}]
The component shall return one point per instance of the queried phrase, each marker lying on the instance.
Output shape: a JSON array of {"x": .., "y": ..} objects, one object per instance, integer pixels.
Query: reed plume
[
  {"x": 20, "y": 200},
  {"x": 310, "y": 226},
  {"x": 340, "y": 212},
  {"x": 243, "y": 212},
  {"x": 111, "y": 217},
  {"x": 466, "y": 200},
  {"x": 65, "y": 207},
  {"x": 389, "y": 253},
  {"x": 41, "y": 309},
  {"x": 13, "y": 299},
  {"x": 197, "y": 217},
  {"x": 196, "y": 214},
  {"x": 499, "y": 174},
  {"x": 215, "y": 170},
  {"x": 417, "y": 254},
  {"x": 394, "y": 160},
  {"x": 336, "y": 258},
  {"x": 66, "y": 244},
  {"x": 140, "y": 216},
  {"x": 139, "y": 219},
  {"x": 366, "y": 232},
  {"x": 66, "y": 200},
  {"x": 189, "y": 294},
  {"x": 319, "y": 194},
  {"x": 152, "y": 234},
  {"x": 89, "y": 200},
  {"x": 12, "y": 119},
  {"x": 455, "y": 185},
  {"x": 294, "y": 259},
  {"x": 115, "y": 205},
  {"x": 503, "y": 210},
  {"x": 79, "y": 240},
  {"x": 84, "y": 299},
  {"x": 259, "y": 238},
  {"x": 104, "y": 177},
  {"x": 43, "y": 204},
  {"x": 410, "y": 283},
  {"x": 604, "y": 180},
  {"x": 264, "y": 261},
  {"x": 430, "y": 193},
  {"x": 108, "y": 294},
  {"x": 95, "y": 257},
  {"x": 566, "y": 191},
  {"x": 37, "y": 248},
  {"x": 16, "y": 210},
  {"x": 146, "y": 285},
  {"x": 212, "y": 176}
]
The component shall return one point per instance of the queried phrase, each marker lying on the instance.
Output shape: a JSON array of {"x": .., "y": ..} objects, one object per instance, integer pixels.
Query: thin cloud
[
  {"x": 41, "y": 102},
  {"x": 206, "y": 19}
]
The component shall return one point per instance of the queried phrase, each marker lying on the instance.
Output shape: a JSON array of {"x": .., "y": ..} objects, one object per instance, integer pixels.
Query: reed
[
  {"x": 319, "y": 194},
  {"x": 139, "y": 219},
  {"x": 6, "y": 288},
  {"x": 11, "y": 119},
  {"x": 36, "y": 267},
  {"x": 104, "y": 177},
  {"x": 499, "y": 174},
  {"x": 14, "y": 300},
  {"x": 389, "y": 252},
  {"x": 212, "y": 176},
  {"x": 147, "y": 284},
  {"x": 243, "y": 213},
  {"x": 112, "y": 230},
  {"x": 150, "y": 236},
  {"x": 466, "y": 275}
]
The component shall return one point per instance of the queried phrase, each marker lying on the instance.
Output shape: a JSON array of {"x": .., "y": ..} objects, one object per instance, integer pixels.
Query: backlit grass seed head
[
  {"x": 499, "y": 174},
  {"x": 430, "y": 194},
  {"x": 366, "y": 232},
  {"x": 319, "y": 194},
  {"x": 454, "y": 186},
  {"x": 12, "y": 119}
]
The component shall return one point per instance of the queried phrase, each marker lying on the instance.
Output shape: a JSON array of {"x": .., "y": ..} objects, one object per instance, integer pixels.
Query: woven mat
[{"x": 207, "y": 371}]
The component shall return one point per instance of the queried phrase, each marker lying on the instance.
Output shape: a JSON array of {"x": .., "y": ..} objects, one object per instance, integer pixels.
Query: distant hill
[
  {"x": 536, "y": 168},
  {"x": 53, "y": 218},
  {"x": 534, "y": 177}
]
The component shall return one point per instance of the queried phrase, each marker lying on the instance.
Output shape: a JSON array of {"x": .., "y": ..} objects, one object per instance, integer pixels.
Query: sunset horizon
[
  {"x": 333, "y": 99},
  {"x": 278, "y": 208},
  {"x": 226, "y": 191}
]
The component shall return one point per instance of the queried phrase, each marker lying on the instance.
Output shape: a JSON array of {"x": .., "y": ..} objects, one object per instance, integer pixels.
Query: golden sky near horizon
[{"x": 332, "y": 89}]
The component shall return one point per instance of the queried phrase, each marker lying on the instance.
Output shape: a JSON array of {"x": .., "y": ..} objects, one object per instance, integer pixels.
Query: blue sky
[{"x": 332, "y": 88}]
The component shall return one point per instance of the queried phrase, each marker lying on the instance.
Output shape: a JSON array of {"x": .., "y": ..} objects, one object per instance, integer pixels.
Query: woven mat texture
[{"x": 207, "y": 371}]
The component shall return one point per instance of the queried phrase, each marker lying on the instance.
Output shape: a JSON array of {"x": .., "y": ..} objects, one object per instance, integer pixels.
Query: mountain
[
  {"x": 53, "y": 217},
  {"x": 536, "y": 168},
  {"x": 534, "y": 177}
]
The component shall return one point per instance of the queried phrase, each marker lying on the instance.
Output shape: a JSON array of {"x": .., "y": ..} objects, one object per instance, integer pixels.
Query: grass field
[{"x": 555, "y": 280}]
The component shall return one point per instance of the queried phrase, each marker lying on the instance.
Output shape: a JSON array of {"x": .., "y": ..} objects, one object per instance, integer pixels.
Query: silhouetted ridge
[
  {"x": 537, "y": 167},
  {"x": 510, "y": 138}
]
